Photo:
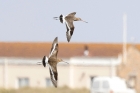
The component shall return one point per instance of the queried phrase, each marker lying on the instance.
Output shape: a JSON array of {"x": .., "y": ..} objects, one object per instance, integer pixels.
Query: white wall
[{"x": 77, "y": 74}]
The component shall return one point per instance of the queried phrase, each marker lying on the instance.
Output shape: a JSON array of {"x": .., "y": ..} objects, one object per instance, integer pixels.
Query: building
[
  {"x": 18, "y": 72},
  {"x": 18, "y": 64},
  {"x": 130, "y": 70}
]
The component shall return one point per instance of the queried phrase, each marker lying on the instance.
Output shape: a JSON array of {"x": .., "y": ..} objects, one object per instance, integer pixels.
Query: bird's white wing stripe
[
  {"x": 68, "y": 26},
  {"x": 64, "y": 19},
  {"x": 52, "y": 50},
  {"x": 52, "y": 72},
  {"x": 46, "y": 61}
]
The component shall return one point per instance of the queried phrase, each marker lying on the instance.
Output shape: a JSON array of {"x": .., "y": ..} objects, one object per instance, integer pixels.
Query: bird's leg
[
  {"x": 56, "y": 18},
  {"x": 65, "y": 62},
  {"x": 39, "y": 63}
]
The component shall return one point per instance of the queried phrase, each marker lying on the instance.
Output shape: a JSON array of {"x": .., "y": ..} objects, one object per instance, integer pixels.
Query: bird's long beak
[
  {"x": 39, "y": 63},
  {"x": 65, "y": 62},
  {"x": 84, "y": 21},
  {"x": 56, "y": 18}
]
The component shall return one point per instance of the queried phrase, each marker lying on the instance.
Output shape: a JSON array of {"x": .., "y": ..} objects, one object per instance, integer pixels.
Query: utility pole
[
  {"x": 124, "y": 38},
  {"x": 5, "y": 75}
]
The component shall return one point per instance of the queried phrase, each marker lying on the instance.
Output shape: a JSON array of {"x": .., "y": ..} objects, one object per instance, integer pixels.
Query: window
[
  {"x": 49, "y": 82},
  {"x": 96, "y": 84},
  {"x": 105, "y": 84},
  {"x": 93, "y": 85},
  {"x": 23, "y": 82}
]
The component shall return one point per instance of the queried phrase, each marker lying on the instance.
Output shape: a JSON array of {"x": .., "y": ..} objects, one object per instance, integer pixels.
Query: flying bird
[
  {"x": 68, "y": 20},
  {"x": 52, "y": 61}
]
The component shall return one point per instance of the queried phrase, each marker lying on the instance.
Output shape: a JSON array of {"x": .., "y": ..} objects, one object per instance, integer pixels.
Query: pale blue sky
[{"x": 32, "y": 20}]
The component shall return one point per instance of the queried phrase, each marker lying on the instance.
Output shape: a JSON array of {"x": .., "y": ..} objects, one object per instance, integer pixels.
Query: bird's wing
[
  {"x": 53, "y": 74},
  {"x": 71, "y": 14},
  {"x": 70, "y": 27},
  {"x": 54, "y": 49},
  {"x": 69, "y": 33}
]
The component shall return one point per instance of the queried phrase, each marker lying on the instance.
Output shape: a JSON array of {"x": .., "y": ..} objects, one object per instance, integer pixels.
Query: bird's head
[
  {"x": 61, "y": 60},
  {"x": 79, "y": 19}
]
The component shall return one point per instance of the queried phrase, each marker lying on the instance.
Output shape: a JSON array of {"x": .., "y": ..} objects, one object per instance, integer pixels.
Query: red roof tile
[{"x": 32, "y": 50}]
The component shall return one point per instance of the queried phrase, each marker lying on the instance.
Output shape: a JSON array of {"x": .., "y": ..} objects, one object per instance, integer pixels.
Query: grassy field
[{"x": 44, "y": 90}]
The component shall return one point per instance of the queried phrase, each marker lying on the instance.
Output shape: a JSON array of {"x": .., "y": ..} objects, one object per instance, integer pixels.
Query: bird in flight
[
  {"x": 52, "y": 61},
  {"x": 68, "y": 20}
]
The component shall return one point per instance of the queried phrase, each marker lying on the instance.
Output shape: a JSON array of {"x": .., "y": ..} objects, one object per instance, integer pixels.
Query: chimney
[{"x": 86, "y": 51}]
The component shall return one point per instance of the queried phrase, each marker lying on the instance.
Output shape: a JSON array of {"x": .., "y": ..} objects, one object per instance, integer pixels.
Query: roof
[{"x": 66, "y": 50}]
